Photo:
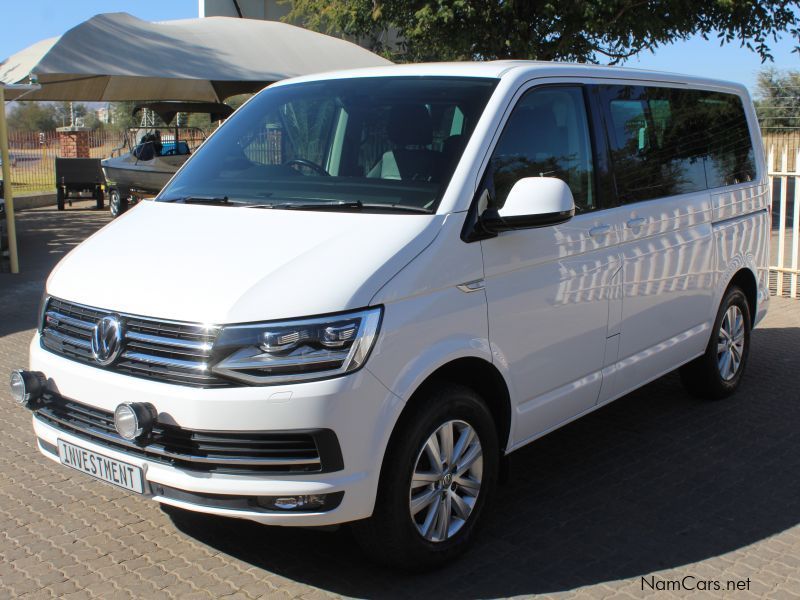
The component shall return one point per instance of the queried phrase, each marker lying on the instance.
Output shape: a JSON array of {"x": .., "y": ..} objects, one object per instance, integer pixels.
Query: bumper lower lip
[
  {"x": 231, "y": 496},
  {"x": 265, "y": 504},
  {"x": 246, "y": 503}
]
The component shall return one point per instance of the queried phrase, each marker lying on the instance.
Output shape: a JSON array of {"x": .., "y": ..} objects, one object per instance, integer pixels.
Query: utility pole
[{"x": 8, "y": 187}]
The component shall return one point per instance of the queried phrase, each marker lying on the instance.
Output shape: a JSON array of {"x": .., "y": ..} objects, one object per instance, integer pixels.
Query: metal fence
[
  {"x": 783, "y": 164},
  {"x": 33, "y": 156}
]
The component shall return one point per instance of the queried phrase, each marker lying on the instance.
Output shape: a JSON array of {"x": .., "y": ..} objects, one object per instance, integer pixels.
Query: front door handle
[
  {"x": 636, "y": 223},
  {"x": 599, "y": 230}
]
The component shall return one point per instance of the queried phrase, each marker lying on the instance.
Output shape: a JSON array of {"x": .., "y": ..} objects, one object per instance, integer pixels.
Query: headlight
[{"x": 300, "y": 350}]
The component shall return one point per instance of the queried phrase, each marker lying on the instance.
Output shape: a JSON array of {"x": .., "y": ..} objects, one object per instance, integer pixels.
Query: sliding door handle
[
  {"x": 636, "y": 223},
  {"x": 600, "y": 230}
]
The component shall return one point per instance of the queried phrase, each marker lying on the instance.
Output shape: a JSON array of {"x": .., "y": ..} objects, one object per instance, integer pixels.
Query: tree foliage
[
  {"x": 584, "y": 31},
  {"x": 121, "y": 117},
  {"x": 63, "y": 114},
  {"x": 32, "y": 116},
  {"x": 46, "y": 116},
  {"x": 778, "y": 101}
]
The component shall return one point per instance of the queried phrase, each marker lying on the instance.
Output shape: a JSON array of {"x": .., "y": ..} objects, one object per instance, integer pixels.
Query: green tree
[
  {"x": 201, "y": 120},
  {"x": 64, "y": 113},
  {"x": 32, "y": 116},
  {"x": 92, "y": 121},
  {"x": 778, "y": 99},
  {"x": 584, "y": 31},
  {"x": 121, "y": 117}
]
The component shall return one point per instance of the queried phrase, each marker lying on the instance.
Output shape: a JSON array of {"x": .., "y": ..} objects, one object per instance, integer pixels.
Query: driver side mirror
[{"x": 532, "y": 202}]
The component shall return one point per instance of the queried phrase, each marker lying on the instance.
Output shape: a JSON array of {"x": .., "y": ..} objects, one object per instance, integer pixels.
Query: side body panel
[
  {"x": 428, "y": 321},
  {"x": 741, "y": 239},
  {"x": 548, "y": 294},
  {"x": 667, "y": 286},
  {"x": 676, "y": 264}
]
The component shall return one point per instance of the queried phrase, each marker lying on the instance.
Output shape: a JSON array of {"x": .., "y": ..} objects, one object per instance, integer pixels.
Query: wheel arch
[
  {"x": 745, "y": 279},
  {"x": 476, "y": 373}
]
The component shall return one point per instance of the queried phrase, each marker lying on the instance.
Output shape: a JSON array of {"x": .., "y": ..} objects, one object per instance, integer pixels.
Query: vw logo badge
[{"x": 107, "y": 340}]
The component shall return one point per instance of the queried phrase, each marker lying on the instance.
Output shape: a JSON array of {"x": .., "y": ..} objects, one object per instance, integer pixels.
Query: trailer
[{"x": 77, "y": 178}]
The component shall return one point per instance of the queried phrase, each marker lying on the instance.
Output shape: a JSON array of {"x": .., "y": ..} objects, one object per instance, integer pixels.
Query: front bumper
[{"x": 358, "y": 408}]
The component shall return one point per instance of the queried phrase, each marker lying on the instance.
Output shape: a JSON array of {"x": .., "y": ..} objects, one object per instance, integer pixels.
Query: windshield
[{"x": 372, "y": 143}]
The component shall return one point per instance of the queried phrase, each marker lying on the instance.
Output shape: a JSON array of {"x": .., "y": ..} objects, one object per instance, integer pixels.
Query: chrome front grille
[
  {"x": 305, "y": 451},
  {"x": 167, "y": 351}
]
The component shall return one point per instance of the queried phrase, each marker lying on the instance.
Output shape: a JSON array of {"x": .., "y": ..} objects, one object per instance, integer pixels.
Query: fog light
[
  {"x": 134, "y": 420},
  {"x": 27, "y": 386},
  {"x": 295, "y": 502},
  {"x": 301, "y": 503}
]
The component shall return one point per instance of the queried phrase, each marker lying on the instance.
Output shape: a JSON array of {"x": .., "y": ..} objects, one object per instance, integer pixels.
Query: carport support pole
[{"x": 7, "y": 186}]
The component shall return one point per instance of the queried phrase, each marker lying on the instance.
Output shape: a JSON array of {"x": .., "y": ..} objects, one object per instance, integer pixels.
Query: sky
[{"x": 29, "y": 21}]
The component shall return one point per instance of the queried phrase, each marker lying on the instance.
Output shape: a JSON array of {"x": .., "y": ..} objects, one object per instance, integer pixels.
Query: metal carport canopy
[{"x": 115, "y": 56}]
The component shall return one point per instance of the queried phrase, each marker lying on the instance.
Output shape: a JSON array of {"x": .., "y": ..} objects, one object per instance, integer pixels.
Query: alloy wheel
[
  {"x": 446, "y": 481},
  {"x": 730, "y": 343}
]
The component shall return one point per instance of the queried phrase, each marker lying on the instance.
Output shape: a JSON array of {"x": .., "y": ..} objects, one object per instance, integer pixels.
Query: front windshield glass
[{"x": 376, "y": 143}]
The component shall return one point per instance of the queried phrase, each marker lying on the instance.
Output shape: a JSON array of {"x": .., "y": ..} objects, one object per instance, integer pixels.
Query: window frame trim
[
  {"x": 470, "y": 231},
  {"x": 603, "y": 109}
]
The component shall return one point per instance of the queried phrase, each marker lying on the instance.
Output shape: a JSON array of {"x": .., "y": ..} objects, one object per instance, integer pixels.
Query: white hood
[{"x": 212, "y": 264}]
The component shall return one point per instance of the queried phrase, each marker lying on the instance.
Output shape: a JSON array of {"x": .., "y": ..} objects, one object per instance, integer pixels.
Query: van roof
[{"x": 500, "y": 69}]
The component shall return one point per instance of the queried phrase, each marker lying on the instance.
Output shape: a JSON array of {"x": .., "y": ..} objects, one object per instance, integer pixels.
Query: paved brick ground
[{"x": 656, "y": 486}]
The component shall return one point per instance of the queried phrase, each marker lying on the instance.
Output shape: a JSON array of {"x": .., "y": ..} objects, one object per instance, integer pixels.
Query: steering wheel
[{"x": 304, "y": 162}]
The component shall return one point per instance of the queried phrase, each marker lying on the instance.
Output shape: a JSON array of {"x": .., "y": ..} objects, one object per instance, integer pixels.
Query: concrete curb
[{"x": 27, "y": 201}]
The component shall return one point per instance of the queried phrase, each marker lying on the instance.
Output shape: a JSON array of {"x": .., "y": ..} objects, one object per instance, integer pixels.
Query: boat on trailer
[{"x": 152, "y": 154}]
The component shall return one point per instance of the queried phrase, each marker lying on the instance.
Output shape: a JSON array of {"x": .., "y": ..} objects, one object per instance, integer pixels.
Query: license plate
[{"x": 102, "y": 467}]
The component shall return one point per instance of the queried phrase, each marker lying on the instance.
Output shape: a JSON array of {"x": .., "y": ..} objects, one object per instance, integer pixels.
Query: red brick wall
[{"x": 73, "y": 143}]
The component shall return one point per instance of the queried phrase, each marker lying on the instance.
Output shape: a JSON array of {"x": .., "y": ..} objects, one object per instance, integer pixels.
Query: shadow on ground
[
  {"x": 45, "y": 236},
  {"x": 653, "y": 481}
]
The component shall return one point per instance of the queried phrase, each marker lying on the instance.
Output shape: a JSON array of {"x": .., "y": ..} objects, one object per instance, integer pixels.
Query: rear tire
[
  {"x": 717, "y": 373},
  {"x": 426, "y": 513}
]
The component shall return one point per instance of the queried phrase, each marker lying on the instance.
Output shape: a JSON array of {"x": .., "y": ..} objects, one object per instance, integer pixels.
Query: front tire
[
  {"x": 117, "y": 204},
  {"x": 718, "y": 373},
  {"x": 439, "y": 472}
]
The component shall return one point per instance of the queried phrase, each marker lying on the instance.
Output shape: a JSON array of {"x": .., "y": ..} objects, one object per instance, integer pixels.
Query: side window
[
  {"x": 667, "y": 141},
  {"x": 547, "y": 135},
  {"x": 629, "y": 124},
  {"x": 731, "y": 158}
]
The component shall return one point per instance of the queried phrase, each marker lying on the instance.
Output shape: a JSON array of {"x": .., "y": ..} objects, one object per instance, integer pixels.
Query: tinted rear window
[{"x": 668, "y": 141}]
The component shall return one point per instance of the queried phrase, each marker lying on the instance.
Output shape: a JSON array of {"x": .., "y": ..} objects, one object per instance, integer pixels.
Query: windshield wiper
[
  {"x": 218, "y": 200},
  {"x": 342, "y": 205},
  {"x": 400, "y": 207}
]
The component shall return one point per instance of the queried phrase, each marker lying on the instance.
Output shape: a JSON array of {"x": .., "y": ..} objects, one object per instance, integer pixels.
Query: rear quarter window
[{"x": 667, "y": 141}]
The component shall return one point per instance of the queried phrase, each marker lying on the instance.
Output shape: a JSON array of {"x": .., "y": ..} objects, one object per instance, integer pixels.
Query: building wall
[{"x": 268, "y": 10}]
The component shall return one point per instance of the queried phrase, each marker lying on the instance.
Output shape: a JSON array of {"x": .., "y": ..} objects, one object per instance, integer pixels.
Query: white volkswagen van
[{"x": 368, "y": 287}]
